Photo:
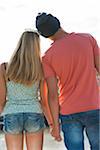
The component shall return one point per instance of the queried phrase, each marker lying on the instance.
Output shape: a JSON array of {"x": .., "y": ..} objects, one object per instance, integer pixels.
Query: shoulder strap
[{"x": 5, "y": 66}]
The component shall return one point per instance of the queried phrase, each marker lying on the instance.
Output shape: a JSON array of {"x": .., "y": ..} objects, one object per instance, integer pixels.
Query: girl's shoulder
[
  {"x": 2, "y": 73},
  {"x": 3, "y": 65},
  {"x": 3, "y": 68}
]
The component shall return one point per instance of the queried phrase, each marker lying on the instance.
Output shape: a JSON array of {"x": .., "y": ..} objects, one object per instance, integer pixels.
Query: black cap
[{"x": 46, "y": 24}]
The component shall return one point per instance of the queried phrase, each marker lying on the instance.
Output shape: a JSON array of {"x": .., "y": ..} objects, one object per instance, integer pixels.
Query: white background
[{"x": 18, "y": 15}]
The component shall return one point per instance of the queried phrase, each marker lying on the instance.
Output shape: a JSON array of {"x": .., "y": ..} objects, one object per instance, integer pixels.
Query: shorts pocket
[
  {"x": 12, "y": 124},
  {"x": 34, "y": 122}
]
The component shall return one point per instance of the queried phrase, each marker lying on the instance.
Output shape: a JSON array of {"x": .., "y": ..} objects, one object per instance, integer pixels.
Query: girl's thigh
[
  {"x": 14, "y": 141},
  {"x": 34, "y": 140}
]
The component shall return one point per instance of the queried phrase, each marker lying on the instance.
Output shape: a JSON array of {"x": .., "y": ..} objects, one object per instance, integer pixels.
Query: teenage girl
[{"x": 21, "y": 81}]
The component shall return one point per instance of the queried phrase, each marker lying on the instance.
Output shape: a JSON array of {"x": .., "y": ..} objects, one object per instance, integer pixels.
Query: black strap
[{"x": 5, "y": 66}]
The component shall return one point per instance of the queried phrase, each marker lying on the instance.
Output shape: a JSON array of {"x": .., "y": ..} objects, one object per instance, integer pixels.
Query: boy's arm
[
  {"x": 54, "y": 106},
  {"x": 97, "y": 63}
]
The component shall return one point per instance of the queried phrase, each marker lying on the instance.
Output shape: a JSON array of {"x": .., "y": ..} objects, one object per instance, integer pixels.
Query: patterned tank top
[{"x": 21, "y": 98}]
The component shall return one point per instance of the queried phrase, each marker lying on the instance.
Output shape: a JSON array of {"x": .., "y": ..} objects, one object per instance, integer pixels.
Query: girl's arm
[
  {"x": 2, "y": 88},
  {"x": 44, "y": 102}
]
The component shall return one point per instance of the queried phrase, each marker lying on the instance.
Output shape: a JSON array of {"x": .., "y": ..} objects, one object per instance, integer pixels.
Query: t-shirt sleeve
[
  {"x": 47, "y": 68},
  {"x": 96, "y": 48}
]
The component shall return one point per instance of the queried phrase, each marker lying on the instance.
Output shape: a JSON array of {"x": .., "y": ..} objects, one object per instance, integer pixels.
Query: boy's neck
[{"x": 58, "y": 35}]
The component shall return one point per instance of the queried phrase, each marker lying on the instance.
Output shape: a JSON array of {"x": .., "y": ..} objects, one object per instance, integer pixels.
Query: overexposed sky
[{"x": 18, "y": 15}]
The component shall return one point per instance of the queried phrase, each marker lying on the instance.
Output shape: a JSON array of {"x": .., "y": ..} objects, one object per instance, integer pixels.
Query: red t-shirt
[{"x": 71, "y": 59}]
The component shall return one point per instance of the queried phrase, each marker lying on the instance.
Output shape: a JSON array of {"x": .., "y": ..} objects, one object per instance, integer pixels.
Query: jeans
[{"x": 73, "y": 127}]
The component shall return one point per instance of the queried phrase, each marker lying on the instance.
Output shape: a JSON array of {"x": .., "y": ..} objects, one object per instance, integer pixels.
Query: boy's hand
[{"x": 55, "y": 132}]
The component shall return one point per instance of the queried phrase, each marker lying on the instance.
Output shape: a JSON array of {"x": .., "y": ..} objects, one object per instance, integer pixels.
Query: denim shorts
[{"x": 23, "y": 122}]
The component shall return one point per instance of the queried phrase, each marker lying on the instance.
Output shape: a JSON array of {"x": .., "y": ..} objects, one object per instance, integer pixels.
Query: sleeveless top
[{"x": 22, "y": 99}]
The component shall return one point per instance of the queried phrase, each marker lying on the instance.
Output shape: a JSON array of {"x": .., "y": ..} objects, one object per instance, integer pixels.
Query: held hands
[{"x": 55, "y": 132}]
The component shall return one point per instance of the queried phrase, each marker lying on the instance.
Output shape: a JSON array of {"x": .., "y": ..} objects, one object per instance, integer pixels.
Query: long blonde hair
[{"x": 25, "y": 65}]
